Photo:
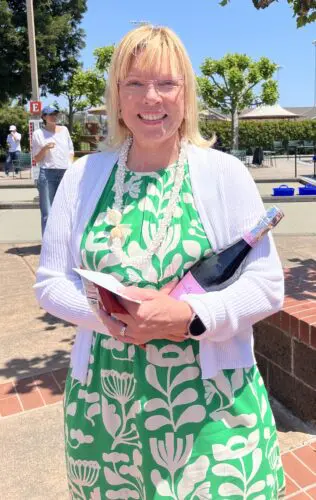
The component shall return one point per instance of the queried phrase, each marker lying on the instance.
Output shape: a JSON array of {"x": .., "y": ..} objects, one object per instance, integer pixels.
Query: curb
[
  {"x": 282, "y": 180},
  {"x": 17, "y": 185},
  {"x": 288, "y": 199},
  {"x": 18, "y": 205}
]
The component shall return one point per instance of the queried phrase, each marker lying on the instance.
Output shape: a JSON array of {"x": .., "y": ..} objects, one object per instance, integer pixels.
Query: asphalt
[{"x": 32, "y": 342}]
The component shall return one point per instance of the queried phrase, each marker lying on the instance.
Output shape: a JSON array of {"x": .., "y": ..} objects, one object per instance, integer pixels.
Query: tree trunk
[{"x": 235, "y": 129}]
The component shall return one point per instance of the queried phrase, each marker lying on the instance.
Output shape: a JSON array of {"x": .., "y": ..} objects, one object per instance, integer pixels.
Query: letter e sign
[{"x": 35, "y": 107}]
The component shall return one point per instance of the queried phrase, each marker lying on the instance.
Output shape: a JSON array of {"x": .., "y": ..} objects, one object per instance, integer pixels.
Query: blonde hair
[{"x": 155, "y": 44}]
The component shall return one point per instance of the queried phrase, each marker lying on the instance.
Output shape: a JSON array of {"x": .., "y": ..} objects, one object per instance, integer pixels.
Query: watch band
[{"x": 196, "y": 327}]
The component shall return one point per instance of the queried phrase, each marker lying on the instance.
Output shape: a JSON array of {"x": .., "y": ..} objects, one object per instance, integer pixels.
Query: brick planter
[{"x": 285, "y": 345}]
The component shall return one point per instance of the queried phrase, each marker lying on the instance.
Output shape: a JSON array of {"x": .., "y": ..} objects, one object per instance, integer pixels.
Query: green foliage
[
  {"x": 77, "y": 132},
  {"x": 85, "y": 88},
  {"x": 229, "y": 83},
  {"x": 59, "y": 40},
  {"x": 303, "y": 10},
  {"x": 254, "y": 133},
  {"x": 103, "y": 57},
  {"x": 14, "y": 115}
]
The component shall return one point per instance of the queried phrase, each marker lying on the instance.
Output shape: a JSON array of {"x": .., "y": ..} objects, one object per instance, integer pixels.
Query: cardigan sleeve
[
  {"x": 58, "y": 288},
  {"x": 258, "y": 290}
]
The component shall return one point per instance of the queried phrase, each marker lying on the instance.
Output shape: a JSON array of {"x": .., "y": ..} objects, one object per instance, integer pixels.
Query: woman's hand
[{"x": 157, "y": 317}]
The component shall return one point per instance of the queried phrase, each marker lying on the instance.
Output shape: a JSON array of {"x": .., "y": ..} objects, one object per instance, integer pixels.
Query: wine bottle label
[
  {"x": 267, "y": 222},
  {"x": 187, "y": 285}
]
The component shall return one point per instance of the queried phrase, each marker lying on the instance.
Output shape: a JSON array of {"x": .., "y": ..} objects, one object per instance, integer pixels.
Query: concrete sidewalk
[
  {"x": 34, "y": 343},
  {"x": 35, "y": 348},
  {"x": 31, "y": 342}
]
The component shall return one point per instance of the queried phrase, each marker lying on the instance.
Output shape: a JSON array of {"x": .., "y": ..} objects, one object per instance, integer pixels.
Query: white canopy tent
[{"x": 269, "y": 113}]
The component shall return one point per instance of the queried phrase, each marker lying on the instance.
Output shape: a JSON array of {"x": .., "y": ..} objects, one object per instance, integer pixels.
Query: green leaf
[{"x": 304, "y": 11}]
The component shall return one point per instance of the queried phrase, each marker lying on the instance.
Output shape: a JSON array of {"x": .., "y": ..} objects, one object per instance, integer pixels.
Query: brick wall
[{"x": 285, "y": 346}]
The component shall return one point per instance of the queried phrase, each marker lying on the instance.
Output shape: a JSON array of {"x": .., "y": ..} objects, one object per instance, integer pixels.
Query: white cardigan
[{"x": 228, "y": 204}]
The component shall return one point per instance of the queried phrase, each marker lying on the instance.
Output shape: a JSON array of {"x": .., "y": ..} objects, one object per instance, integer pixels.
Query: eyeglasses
[{"x": 137, "y": 86}]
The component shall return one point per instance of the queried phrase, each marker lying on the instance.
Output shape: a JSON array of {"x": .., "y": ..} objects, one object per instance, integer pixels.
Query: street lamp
[
  {"x": 314, "y": 43},
  {"x": 140, "y": 23},
  {"x": 278, "y": 72}
]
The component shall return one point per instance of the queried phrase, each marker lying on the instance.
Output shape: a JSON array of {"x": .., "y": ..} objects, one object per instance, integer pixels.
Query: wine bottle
[{"x": 215, "y": 269}]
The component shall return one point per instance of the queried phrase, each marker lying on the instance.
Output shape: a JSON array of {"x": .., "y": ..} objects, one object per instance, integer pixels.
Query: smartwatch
[{"x": 196, "y": 327}]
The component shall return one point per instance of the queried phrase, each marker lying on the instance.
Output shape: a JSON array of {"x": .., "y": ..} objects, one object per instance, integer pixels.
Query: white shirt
[
  {"x": 228, "y": 203},
  {"x": 14, "y": 141},
  {"x": 59, "y": 156}
]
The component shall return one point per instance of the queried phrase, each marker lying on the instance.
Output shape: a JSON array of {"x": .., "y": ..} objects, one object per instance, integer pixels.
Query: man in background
[{"x": 14, "y": 145}]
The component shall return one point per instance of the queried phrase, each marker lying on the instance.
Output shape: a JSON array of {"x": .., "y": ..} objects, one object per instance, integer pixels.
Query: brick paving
[
  {"x": 46, "y": 389},
  {"x": 32, "y": 392}
]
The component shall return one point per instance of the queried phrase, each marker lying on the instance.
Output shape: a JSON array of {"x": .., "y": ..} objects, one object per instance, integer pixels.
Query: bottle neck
[{"x": 256, "y": 234}]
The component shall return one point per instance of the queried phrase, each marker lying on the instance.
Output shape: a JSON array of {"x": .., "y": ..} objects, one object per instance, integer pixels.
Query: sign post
[{"x": 34, "y": 124}]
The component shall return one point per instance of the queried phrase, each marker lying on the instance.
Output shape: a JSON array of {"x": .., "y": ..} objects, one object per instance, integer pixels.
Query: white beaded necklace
[{"x": 114, "y": 215}]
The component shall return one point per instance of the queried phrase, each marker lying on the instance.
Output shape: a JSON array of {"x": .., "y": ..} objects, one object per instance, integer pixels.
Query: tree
[
  {"x": 304, "y": 10},
  {"x": 103, "y": 57},
  {"x": 229, "y": 84},
  {"x": 83, "y": 89},
  {"x": 59, "y": 40}
]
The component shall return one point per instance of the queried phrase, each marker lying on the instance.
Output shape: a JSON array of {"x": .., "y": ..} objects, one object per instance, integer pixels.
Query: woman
[
  {"x": 187, "y": 417},
  {"x": 52, "y": 148}
]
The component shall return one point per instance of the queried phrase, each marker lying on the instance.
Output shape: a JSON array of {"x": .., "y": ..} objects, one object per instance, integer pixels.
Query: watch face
[{"x": 197, "y": 327}]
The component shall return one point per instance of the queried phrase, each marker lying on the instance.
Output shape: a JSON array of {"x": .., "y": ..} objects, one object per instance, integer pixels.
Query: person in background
[
  {"x": 53, "y": 149},
  {"x": 218, "y": 143},
  {"x": 14, "y": 144}
]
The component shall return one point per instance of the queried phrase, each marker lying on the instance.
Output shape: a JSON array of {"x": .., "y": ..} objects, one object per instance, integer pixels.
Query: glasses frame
[{"x": 155, "y": 82}]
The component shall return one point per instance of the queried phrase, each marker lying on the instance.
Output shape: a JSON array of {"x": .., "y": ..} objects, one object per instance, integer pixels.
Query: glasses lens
[{"x": 163, "y": 86}]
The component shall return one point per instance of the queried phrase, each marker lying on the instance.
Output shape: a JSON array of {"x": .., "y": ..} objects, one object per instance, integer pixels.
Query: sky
[{"x": 209, "y": 30}]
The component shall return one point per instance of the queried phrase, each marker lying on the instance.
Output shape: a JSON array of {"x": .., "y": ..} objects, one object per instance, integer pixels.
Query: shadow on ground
[
  {"x": 300, "y": 282},
  {"x": 52, "y": 322},
  {"x": 20, "y": 368},
  {"x": 34, "y": 371},
  {"x": 25, "y": 251}
]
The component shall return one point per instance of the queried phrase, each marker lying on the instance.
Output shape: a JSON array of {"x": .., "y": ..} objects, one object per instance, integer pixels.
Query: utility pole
[
  {"x": 32, "y": 49},
  {"x": 35, "y": 106}
]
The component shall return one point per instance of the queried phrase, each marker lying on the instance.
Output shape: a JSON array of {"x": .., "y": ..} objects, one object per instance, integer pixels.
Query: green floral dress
[{"x": 145, "y": 425}]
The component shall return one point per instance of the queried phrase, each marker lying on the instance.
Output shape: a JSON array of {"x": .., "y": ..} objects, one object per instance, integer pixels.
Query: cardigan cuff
[{"x": 210, "y": 310}]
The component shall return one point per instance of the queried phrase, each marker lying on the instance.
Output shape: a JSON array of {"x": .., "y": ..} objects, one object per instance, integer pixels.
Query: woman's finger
[
  {"x": 175, "y": 338},
  {"x": 140, "y": 293},
  {"x": 126, "y": 319},
  {"x": 114, "y": 325},
  {"x": 129, "y": 340},
  {"x": 169, "y": 286}
]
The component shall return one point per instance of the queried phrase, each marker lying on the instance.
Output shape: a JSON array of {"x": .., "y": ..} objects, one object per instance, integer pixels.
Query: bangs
[{"x": 154, "y": 52}]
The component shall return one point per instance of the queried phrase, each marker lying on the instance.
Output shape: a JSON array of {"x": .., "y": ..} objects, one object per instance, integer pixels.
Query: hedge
[{"x": 254, "y": 133}]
